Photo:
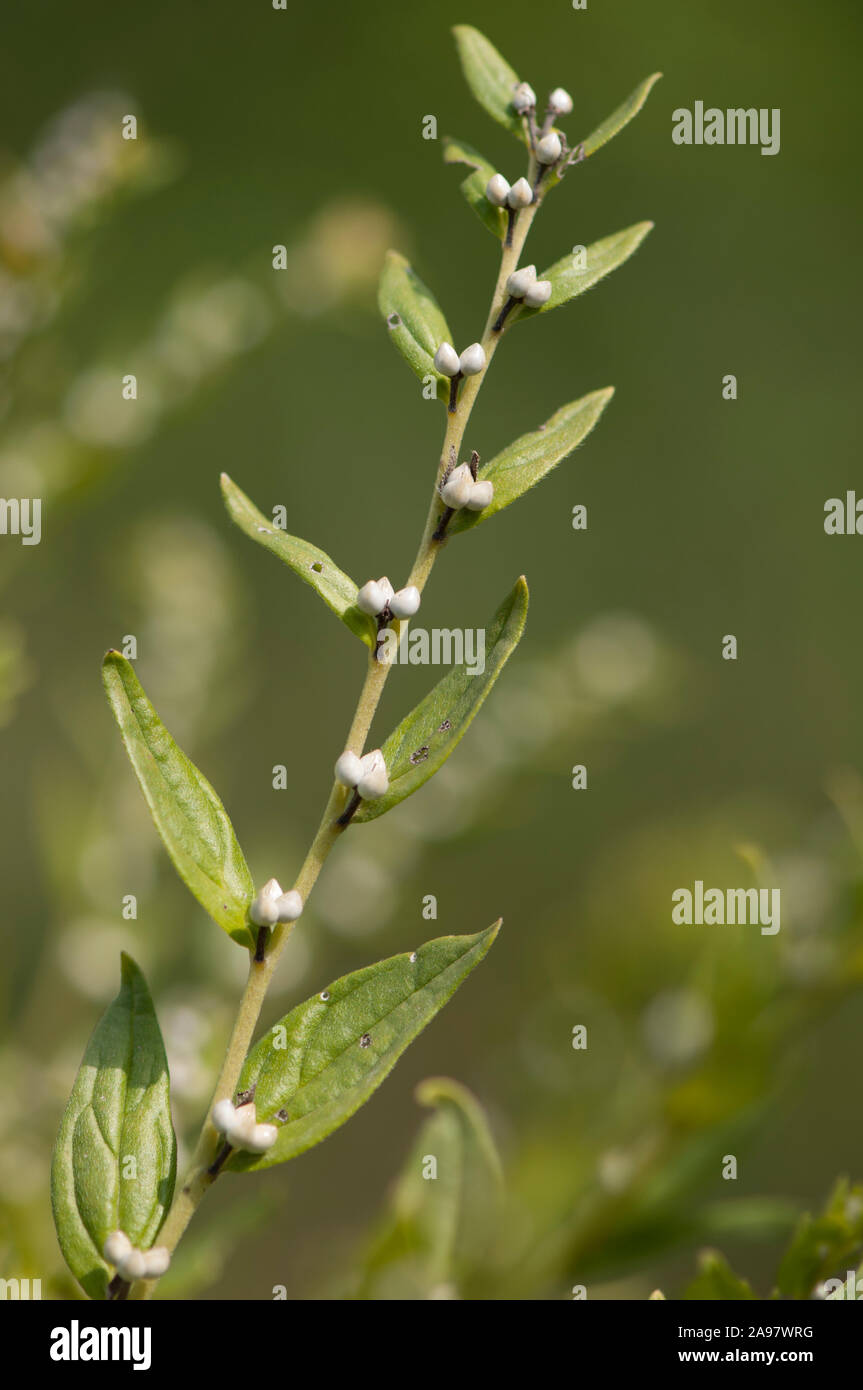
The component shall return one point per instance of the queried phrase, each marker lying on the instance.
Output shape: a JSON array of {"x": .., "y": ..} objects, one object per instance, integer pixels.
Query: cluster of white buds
[
  {"x": 449, "y": 363},
  {"x": 461, "y": 489},
  {"x": 377, "y": 596},
  {"x": 368, "y": 774},
  {"x": 271, "y": 905},
  {"x": 498, "y": 191},
  {"x": 239, "y": 1124},
  {"x": 132, "y": 1264},
  {"x": 523, "y": 284}
]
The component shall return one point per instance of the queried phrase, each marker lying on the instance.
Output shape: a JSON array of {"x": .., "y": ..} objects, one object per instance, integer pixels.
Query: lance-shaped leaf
[
  {"x": 621, "y": 117},
  {"x": 474, "y": 186},
  {"x": 115, "y": 1158},
  {"x": 414, "y": 320},
  {"x": 528, "y": 459},
  {"x": 437, "y": 1234},
  {"x": 314, "y": 566},
  {"x": 425, "y": 738},
  {"x": 489, "y": 76},
  {"x": 579, "y": 271},
  {"x": 324, "y": 1059},
  {"x": 189, "y": 816}
]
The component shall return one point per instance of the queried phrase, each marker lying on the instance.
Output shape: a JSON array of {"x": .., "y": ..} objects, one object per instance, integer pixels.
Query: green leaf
[
  {"x": 314, "y": 566},
  {"x": 474, "y": 186},
  {"x": 414, "y": 319},
  {"x": 437, "y": 1234},
  {"x": 528, "y": 459},
  {"x": 489, "y": 76},
  {"x": 425, "y": 738},
  {"x": 324, "y": 1060},
  {"x": 115, "y": 1159},
  {"x": 621, "y": 117},
  {"x": 188, "y": 814},
  {"x": 568, "y": 279},
  {"x": 716, "y": 1280},
  {"x": 823, "y": 1244}
]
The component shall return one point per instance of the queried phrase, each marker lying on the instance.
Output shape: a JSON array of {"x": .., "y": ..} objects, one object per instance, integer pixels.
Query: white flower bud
[
  {"x": 263, "y": 910},
  {"x": 133, "y": 1266},
  {"x": 560, "y": 102},
  {"x": 480, "y": 496},
  {"x": 456, "y": 490},
  {"x": 371, "y": 598},
  {"x": 538, "y": 294},
  {"x": 386, "y": 589},
  {"x": 374, "y": 781},
  {"x": 446, "y": 357},
  {"x": 523, "y": 98},
  {"x": 244, "y": 1121},
  {"x": 261, "y": 1138},
  {"x": 521, "y": 194},
  {"x": 472, "y": 359},
  {"x": 116, "y": 1247},
  {"x": 289, "y": 906},
  {"x": 405, "y": 602},
  {"x": 223, "y": 1115},
  {"x": 519, "y": 282},
  {"x": 348, "y": 769},
  {"x": 156, "y": 1261},
  {"x": 497, "y": 191},
  {"x": 549, "y": 149}
]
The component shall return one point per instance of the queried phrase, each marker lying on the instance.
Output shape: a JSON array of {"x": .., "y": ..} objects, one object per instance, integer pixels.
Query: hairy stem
[{"x": 199, "y": 1178}]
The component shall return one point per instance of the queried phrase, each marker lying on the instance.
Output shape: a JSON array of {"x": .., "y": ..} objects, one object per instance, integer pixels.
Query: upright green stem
[{"x": 199, "y": 1179}]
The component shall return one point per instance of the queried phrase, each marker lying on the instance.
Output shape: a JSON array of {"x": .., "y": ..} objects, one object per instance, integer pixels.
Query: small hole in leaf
[
  {"x": 394, "y": 321},
  {"x": 317, "y": 567},
  {"x": 282, "y": 1115},
  {"x": 366, "y": 1040},
  {"x": 420, "y": 754},
  {"x": 442, "y": 728}
]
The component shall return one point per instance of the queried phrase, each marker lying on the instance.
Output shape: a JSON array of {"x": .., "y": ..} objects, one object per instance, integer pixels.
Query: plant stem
[{"x": 199, "y": 1179}]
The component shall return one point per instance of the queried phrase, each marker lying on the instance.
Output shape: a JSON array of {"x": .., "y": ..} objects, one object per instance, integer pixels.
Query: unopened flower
[
  {"x": 549, "y": 149},
  {"x": 472, "y": 359},
  {"x": 349, "y": 769},
  {"x": 156, "y": 1260},
  {"x": 497, "y": 190},
  {"x": 263, "y": 910},
  {"x": 480, "y": 495},
  {"x": 538, "y": 294},
  {"x": 374, "y": 596},
  {"x": 116, "y": 1247},
  {"x": 521, "y": 194},
  {"x": 289, "y": 906},
  {"x": 520, "y": 281},
  {"x": 375, "y": 780},
  {"x": 457, "y": 487},
  {"x": 446, "y": 357},
  {"x": 523, "y": 98},
  {"x": 560, "y": 102},
  {"x": 405, "y": 602},
  {"x": 132, "y": 1264},
  {"x": 241, "y": 1129}
]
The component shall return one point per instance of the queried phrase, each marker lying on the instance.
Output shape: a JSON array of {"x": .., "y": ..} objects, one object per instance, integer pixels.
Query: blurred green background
[{"x": 303, "y": 128}]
